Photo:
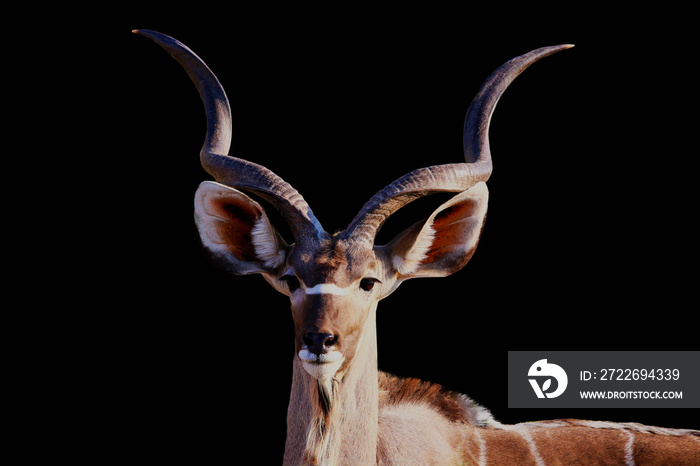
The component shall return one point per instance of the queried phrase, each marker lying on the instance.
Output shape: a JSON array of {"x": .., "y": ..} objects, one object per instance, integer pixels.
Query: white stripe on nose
[{"x": 328, "y": 288}]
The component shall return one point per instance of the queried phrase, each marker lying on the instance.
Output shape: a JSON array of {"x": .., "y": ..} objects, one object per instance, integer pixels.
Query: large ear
[
  {"x": 443, "y": 243},
  {"x": 235, "y": 230}
]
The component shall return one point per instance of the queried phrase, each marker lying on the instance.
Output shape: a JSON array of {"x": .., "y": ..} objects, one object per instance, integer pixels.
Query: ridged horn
[
  {"x": 228, "y": 170},
  {"x": 449, "y": 177}
]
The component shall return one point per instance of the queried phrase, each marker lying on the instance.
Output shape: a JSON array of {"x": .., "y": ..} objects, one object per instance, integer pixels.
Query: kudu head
[{"x": 334, "y": 282}]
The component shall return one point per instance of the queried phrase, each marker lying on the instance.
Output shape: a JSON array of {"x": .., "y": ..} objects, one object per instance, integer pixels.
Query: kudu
[{"x": 342, "y": 409}]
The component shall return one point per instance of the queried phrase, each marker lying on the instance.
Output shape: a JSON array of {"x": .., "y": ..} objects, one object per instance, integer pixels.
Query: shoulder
[{"x": 408, "y": 392}]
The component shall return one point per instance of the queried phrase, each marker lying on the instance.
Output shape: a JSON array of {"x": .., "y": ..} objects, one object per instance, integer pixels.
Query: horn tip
[
  {"x": 147, "y": 33},
  {"x": 554, "y": 49}
]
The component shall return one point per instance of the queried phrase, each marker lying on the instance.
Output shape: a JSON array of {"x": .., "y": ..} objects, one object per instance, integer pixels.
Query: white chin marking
[{"x": 321, "y": 367}]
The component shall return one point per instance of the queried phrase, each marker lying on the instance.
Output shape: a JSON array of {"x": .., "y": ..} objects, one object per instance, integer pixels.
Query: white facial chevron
[{"x": 327, "y": 288}]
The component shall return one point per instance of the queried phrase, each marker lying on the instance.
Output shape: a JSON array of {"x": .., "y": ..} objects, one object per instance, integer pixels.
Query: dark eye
[
  {"x": 368, "y": 283},
  {"x": 292, "y": 282}
]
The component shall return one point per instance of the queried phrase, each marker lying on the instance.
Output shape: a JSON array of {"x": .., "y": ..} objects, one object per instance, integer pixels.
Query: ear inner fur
[
  {"x": 236, "y": 231},
  {"x": 443, "y": 243},
  {"x": 269, "y": 245}
]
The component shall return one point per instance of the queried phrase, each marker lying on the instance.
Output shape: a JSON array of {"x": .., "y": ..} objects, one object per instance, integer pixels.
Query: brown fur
[
  {"x": 423, "y": 423},
  {"x": 396, "y": 390},
  {"x": 571, "y": 441}
]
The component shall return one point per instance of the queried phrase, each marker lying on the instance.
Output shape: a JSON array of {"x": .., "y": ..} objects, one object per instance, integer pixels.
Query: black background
[{"x": 589, "y": 244}]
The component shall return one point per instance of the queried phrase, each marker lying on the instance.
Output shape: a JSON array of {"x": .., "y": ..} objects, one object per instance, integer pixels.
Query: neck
[{"x": 331, "y": 422}]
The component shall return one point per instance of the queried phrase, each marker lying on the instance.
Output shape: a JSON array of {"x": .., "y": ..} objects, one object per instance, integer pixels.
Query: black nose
[{"x": 319, "y": 343}]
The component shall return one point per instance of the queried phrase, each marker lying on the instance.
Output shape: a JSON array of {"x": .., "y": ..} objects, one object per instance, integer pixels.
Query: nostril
[
  {"x": 319, "y": 342},
  {"x": 330, "y": 341},
  {"x": 308, "y": 341}
]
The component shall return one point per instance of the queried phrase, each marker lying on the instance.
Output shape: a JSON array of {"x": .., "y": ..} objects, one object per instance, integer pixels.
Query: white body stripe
[
  {"x": 327, "y": 288},
  {"x": 629, "y": 448},
  {"x": 525, "y": 433},
  {"x": 482, "y": 448}
]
